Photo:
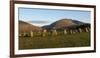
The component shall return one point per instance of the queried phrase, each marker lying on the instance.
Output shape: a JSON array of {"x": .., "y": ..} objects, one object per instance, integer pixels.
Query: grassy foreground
[{"x": 68, "y": 40}]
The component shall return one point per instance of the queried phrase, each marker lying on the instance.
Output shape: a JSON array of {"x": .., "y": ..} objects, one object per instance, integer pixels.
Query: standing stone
[
  {"x": 86, "y": 29},
  {"x": 80, "y": 30},
  {"x": 44, "y": 32},
  {"x": 65, "y": 32},
  {"x": 54, "y": 32},
  {"x": 24, "y": 34},
  {"x": 71, "y": 31},
  {"x": 31, "y": 33}
]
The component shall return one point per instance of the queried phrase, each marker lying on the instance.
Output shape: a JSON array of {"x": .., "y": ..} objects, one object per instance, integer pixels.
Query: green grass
[{"x": 59, "y": 41}]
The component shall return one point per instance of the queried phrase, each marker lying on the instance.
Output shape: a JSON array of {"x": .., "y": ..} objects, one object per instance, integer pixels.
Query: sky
[{"x": 41, "y": 17}]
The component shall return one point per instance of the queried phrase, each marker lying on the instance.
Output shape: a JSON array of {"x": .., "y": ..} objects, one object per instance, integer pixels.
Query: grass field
[{"x": 59, "y": 41}]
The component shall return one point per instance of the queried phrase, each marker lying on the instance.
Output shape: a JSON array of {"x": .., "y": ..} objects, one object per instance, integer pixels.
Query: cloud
[{"x": 38, "y": 22}]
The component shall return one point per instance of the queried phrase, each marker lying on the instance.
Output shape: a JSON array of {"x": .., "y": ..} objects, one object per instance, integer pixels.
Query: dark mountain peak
[
  {"x": 63, "y": 23},
  {"x": 64, "y": 19}
]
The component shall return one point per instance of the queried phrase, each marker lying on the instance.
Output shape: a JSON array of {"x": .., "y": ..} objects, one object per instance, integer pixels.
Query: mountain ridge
[
  {"x": 63, "y": 23},
  {"x": 60, "y": 24}
]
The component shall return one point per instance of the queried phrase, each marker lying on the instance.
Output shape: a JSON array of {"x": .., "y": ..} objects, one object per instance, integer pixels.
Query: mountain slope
[
  {"x": 64, "y": 23},
  {"x": 26, "y": 27}
]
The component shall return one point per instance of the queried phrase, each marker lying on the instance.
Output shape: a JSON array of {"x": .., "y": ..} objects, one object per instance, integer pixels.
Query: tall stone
[
  {"x": 86, "y": 29},
  {"x": 24, "y": 34},
  {"x": 31, "y": 33},
  {"x": 65, "y": 32},
  {"x": 44, "y": 32},
  {"x": 80, "y": 30},
  {"x": 71, "y": 32},
  {"x": 54, "y": 32}
]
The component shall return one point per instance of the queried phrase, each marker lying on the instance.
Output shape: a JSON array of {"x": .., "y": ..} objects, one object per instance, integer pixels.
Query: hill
[
  {"x": 26, "y": 27},
  {"x": 64, "y": 23}
]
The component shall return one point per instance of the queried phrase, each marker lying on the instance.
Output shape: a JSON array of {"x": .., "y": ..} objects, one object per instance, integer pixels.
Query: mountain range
[{"x": 60, "y": 24}]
